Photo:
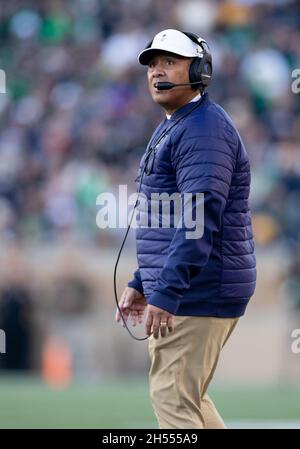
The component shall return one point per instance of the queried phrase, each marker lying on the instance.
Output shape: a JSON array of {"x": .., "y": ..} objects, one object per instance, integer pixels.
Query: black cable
[
  {"x": 118, "y": 258},
  {"x": 152, "y": 149}
]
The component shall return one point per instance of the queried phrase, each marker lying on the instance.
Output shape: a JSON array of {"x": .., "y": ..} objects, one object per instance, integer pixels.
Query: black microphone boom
[{"x": 166, "y": 85}]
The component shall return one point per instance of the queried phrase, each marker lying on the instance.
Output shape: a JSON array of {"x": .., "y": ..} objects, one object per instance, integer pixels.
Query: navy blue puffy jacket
[{"x": 214, "y": 275}]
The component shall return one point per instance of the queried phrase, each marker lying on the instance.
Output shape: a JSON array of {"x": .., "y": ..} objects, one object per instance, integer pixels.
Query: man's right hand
[{"x": 132, "y": 304}]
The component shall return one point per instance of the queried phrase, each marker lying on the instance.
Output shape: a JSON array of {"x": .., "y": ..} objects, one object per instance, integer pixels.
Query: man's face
[{"x": 175, "y": 69}]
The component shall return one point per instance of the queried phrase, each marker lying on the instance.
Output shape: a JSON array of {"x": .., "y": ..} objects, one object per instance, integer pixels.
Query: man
[{"x": 193, "y": 289}]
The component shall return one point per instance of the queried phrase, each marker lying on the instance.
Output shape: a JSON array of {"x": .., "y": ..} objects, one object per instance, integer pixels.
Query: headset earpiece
[
  {"x": 201, "y": 70},
  {"x": 201, "y": 66}
]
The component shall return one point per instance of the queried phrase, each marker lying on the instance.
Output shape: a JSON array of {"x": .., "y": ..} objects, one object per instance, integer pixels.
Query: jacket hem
[{"x": 220, "y": 310}]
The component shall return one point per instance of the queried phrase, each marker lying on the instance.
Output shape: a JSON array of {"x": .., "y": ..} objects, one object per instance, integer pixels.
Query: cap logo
[{"x": 163, "y": 37}]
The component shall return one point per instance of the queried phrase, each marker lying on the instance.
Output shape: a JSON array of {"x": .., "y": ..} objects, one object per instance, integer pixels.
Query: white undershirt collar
[{"x": 196, "y": 98}]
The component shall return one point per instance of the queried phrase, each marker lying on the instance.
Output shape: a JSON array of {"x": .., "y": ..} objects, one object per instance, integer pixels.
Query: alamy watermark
[
  {"x": 296, "y": 83},
  {"x": 2, "y": 82},
  {"x": 161, "y": 210},
  {"x": 295, "y": 347},
  {"x": 2, "y": 342}
]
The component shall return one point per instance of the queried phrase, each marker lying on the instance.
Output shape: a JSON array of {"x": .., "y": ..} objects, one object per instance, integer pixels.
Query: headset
[
  {"x": 200, "y": 74},
  {"x": 200, "y": 71},
  {"x": 201, "y": 67}
]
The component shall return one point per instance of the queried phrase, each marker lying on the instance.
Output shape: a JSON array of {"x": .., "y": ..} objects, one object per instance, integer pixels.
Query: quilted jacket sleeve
[
  {"x": 136, "y": 282},
  {"x": 202, "y": 165}
]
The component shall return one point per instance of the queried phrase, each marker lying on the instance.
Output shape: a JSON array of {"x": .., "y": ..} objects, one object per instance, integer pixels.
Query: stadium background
[{"x": 74, "y": 122}]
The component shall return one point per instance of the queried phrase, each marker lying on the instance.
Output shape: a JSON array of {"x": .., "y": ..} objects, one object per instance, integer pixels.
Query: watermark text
[
  {"x": 296, "y": 343},
  {"x": 2, "y": 82},
  {"x": 160, "y": 210},
  {"x": 2, "y": 342}
]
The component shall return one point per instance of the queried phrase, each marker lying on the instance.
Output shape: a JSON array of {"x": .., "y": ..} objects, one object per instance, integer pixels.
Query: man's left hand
[{"x": 158, "y": 320}]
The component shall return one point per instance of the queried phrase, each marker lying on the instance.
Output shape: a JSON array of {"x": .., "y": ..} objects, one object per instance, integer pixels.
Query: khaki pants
[{"x": 182, "y": 366}]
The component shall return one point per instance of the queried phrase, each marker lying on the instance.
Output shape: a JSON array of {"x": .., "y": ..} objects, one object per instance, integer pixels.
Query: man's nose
[{"x": 158, "y": 71}]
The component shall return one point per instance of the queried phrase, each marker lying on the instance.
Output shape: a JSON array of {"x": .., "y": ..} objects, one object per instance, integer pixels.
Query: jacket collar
[{"x": 186, "y": 107}]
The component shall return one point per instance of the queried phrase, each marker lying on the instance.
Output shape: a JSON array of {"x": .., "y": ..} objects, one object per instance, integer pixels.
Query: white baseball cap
[{"x": 172, "y": 41}]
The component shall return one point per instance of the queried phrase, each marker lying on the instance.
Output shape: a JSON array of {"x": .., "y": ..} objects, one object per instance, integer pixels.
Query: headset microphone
[{"x": 166, "y": 85}]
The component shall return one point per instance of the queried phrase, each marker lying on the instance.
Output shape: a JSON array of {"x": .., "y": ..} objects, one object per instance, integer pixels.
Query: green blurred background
[{"x": 27, "y": 403}]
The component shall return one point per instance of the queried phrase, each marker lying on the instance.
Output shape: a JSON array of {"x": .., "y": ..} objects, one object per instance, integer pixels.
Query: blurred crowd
[{"x": 77, "y": 115}]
